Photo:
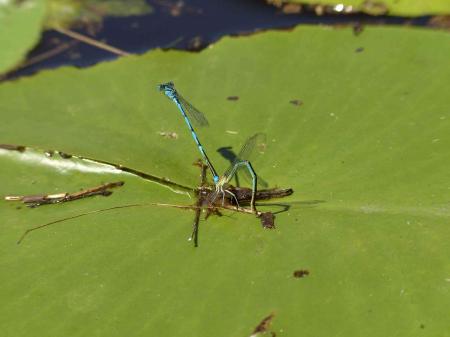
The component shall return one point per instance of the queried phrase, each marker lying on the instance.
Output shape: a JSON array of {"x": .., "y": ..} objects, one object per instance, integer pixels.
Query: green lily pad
[
  {"x": 21, "y": 23},
  {"x": 358, "y": 126},
  {"x": 378, "y": 7}
]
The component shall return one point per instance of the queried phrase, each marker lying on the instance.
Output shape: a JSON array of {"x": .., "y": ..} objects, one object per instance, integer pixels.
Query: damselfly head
[
  {"x": 168, "y": 89},
  {"x": 169, "y": 86}
]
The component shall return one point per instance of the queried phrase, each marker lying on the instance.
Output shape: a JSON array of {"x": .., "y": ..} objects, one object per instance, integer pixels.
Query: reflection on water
[{"x": 191, "y": 25}]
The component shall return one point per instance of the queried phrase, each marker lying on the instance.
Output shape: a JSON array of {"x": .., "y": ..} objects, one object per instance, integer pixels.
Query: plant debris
[
  {"x": 264, "y": 326},
  {"x": 47, "y": 199},
  {"x": 301, "y": 273},
  {"x": 9, "y": 147},
  {"x": 268, "y": 220}
]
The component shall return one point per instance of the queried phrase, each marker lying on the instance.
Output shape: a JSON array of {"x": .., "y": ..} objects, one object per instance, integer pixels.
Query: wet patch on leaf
[
  {"x": 233, "y": 98},
  {"x": 296, "y": 102}
]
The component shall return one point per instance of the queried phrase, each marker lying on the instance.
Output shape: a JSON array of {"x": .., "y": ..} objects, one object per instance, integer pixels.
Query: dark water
[{"x": 192, "y": 25}]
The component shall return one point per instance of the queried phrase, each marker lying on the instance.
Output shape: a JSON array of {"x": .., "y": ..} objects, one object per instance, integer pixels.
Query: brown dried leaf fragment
[
  {"x": 301, "y": 273},
  {"x": 263, "y": 326},
  {"x": 268, "y": 220}
]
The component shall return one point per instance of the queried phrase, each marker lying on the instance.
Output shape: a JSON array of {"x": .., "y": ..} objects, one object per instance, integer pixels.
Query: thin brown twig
[
  {"x": 39, "y": 58},
  {"x": 91, "y": 41},
  {"x": 46, "y": 55},
  {"x": 228, "y": 207},
  {"x": 98, "y": 211},
  {"x": 46, "y": 199}
]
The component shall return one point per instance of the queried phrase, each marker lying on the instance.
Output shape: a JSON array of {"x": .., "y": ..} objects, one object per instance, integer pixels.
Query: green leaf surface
[
  {"x": 21, "y": 24},
  {"x": 393, "y": 7},
  {"x": 360, "y": 123}
]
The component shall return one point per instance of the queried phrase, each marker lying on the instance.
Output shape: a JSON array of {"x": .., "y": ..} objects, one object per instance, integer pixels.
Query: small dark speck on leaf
[
  {"x": 301, "y": 273},
  {"x": 268, "y": 220},
  {"x": 65, "y": 155},
  {"x": 357, "y": 29},
  {"x": 232, "y": 98},
  {"x": 422, "y": 326},
  {"x": 18, "y": 207},
  {"x": 296, "y": 102},
  {"x": 359, "y": 50}
]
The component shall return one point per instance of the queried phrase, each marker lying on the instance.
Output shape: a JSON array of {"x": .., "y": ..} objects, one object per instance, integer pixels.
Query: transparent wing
[
  {"x": 248, "y": 177},
  {"x": 256, "y": 143},
  {"x": 196, "y": 116}
]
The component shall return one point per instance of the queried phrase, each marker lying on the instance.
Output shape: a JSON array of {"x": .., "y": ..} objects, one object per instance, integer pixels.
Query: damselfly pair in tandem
[
  {"x": 192, "y": 115},
  {"x": 221, "y": 195}
]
